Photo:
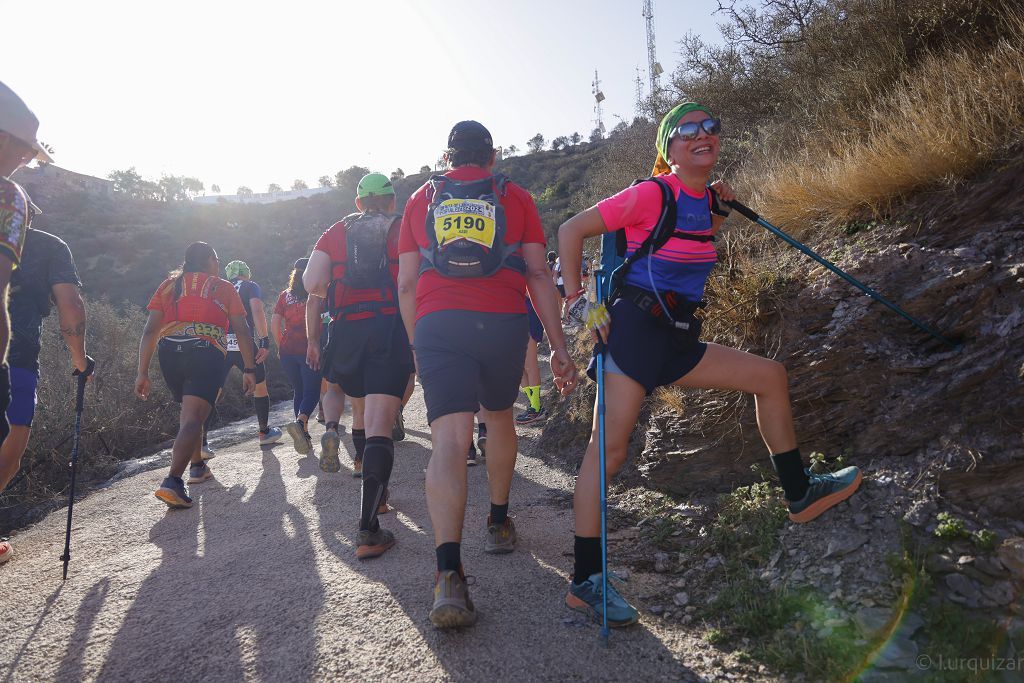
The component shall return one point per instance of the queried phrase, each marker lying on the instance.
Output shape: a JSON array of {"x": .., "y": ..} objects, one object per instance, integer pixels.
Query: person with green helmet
[
  {"x": 652, "y": 336},
  {"x": 353, "y": 267},
  {"x": 240, "y": 275}
]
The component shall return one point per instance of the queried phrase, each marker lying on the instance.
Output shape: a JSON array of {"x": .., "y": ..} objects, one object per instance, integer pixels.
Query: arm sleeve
[
  {"x": 62, "y": 266},
  {"x": 635, "y": 207}
]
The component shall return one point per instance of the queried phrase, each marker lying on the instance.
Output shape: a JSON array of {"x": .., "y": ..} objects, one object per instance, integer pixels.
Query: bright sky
[{"x": 255, "y": 92}]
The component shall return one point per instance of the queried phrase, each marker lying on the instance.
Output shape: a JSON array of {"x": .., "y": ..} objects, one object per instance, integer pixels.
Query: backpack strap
[{"x": 662, "y": 231}]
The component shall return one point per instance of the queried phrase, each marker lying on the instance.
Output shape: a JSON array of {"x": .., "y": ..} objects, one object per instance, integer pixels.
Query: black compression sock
[
  {"x": 263, "y": 412},
  {"x": 499, "y": 513},
  {"x": 331, "y": 426},
  {"x": 790, "y": 468},
  {"x": 378, "y": 459},
  {"x": 588, "y": 558},
  {"x": 359, "y": 441},
  {"x": 449, "y": 557}
]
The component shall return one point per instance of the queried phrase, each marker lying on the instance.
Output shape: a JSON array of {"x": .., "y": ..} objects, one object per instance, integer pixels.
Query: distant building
[
  {"x": 49, "y": 179},
  {"x": 262, "y": 197}
]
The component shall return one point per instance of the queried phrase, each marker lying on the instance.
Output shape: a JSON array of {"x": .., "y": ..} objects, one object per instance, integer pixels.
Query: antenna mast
[
  {"x": 598, "y": 98},
  {"x": 639, "y": 94},
  {"x": 654, "y": 69}
]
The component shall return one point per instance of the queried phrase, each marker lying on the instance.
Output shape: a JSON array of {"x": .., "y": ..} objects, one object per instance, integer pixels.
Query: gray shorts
[{"x": 468, "y": 360}]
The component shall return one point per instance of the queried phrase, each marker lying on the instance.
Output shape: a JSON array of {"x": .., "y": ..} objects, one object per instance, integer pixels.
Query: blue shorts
[
  {"x": 536, "y": 327},
  {"x": 23, "y": 397}
]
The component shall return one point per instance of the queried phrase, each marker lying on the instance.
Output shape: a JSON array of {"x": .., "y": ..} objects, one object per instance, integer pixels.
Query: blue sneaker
[
  {"x": 172, "y": 491},
  {"x": 198, "y": 473},
  {"x": 586, "y": 598},
  {"x": 271, "y": 436},
  {"x": 825, "y": 491}
]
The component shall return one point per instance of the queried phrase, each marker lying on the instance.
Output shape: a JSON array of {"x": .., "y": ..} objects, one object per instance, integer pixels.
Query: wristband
[
  {"x": 264, "y": 343},
  {"x": 249, "y": 371},
  {"x": 573, "y": 297}
]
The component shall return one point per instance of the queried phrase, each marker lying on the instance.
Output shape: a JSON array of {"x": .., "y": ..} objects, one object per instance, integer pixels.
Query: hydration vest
[
  {"x": 367, "y": 264},
  {"x": 466, "y": 226}
]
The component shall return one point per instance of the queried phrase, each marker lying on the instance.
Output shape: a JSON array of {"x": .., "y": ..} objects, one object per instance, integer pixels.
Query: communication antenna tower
[
  {"x": 639, "y": 94},
  {"x": 654, "y": 69},
  {"x": 598, "y": 99}
]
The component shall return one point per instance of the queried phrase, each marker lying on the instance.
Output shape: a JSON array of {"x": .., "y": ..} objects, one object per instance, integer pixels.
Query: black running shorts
[
  {"x": 370, "y": 356},
  {"x": 468, "y": 359},
  {"x": 235, "y": 360},
  {"x": 192, "y": 371}
]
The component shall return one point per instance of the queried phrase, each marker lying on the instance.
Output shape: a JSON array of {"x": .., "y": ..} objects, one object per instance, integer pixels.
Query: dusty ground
[{"x": 259, "y": 581}]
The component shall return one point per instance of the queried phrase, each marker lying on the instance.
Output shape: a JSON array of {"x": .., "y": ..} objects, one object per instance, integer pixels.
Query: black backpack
[
  {"x": 466, "y": 226},
  {"x": 663, "y": 231},
  {"x": 367, "y": 265}
]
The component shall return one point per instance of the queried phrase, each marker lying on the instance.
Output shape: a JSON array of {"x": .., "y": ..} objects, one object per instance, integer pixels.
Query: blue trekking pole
[
  {"x": 599, "y": 284},
  {"x": 752, "y": 215}
]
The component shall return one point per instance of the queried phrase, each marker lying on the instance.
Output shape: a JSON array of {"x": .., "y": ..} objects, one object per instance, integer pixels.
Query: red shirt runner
[
  {"x": 202, "y": 309},
  {"x": 332, "y": 243},
  {"x": 293, "y": 311}
]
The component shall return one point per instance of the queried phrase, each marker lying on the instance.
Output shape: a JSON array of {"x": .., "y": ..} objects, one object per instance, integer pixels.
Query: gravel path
[{"x": 259, "y": 581}]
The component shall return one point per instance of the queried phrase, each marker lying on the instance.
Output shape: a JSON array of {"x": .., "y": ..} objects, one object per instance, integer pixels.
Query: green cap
[
  {"x": 374, "y": 185},
  {"x": 668, "y": 127},
  {"x": 237, "y": 269}
]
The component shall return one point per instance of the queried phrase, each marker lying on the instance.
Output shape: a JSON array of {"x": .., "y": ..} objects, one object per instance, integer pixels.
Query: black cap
[
  {"x": 301, "y": 263},
  {"x": 468, "y": 135}
]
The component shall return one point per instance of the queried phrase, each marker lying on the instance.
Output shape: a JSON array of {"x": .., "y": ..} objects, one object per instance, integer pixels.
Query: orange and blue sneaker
[
  {"x": 172, "y": 491},
  {"x": 825, "y": 491},
  {"x": 586, "y": 598}
]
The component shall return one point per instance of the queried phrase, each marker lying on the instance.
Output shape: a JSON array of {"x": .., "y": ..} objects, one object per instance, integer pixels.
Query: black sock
[
  {"x": 790, "y": 468},
  {"x": 481, "y": 429},
  {"x": 331, "y": 426},
  {"x": 359, "y": 441},
  {"x": 499, "y": 513},
  {"x": 263, "y": 411},
  {"x": 378, "y": 459},
  {"x": 449, "y": 557},
  {"x": 588, "y": 558}
]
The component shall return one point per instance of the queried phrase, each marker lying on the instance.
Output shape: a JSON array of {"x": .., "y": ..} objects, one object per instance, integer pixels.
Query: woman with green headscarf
[{"x": 652, "y": 336}]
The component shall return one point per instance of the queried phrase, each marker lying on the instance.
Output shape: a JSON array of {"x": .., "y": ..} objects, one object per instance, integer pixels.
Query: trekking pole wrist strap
[
  {"x": 573, "y": 297},
  {"x": 264, "y": 343},
  {"x": 249, "y": 371}
]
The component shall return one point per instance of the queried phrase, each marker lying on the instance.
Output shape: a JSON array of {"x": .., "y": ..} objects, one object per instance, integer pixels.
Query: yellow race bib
[{"x": 464, "y": 219}]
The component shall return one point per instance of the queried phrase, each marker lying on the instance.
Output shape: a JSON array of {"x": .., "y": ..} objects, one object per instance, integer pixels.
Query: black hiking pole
[
  {"x": 83, "y": 377},
  {"x": 752, "y": 215},
  {"x": 601, "y": 458}
]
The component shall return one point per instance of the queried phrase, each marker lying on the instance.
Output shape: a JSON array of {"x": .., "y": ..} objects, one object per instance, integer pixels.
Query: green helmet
[
  {"x": 237, "y": 269},
  {"x": 374, "y": 185}
]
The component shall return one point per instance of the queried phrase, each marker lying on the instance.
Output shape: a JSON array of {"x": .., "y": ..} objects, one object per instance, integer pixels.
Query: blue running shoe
[
  {"x": 586, "y": 598},
  {"x": 825, "y": 491},
  {"x": 172, "y": 491},
  {"x": 270, "y": 437},
  {"x": 198, "y": 473}
]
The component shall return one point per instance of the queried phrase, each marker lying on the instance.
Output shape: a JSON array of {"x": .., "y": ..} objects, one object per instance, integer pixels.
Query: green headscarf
[{"x": 667, "y": 128}]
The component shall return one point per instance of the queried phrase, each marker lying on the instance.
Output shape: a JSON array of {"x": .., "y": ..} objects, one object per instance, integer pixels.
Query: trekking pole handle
[
  {"x": 744, "y": 210},
  {"x": 83, "y": 377}
]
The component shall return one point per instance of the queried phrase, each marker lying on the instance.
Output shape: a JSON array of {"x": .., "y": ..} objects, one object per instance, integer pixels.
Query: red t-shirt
[
  {"x": 293, "y": 311},
  {"x": 332, "y": 243},
  {"x": 505, "y": 291},
  {"x": 201, "y": 310}
]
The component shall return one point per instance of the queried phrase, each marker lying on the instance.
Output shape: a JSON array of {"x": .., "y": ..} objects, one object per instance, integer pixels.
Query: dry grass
[{"x": 945, "y": 119}]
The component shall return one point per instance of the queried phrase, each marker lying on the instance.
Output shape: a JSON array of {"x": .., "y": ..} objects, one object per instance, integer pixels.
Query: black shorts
[
  {"x": 645, "y": 350},
  {"x": 235, "y": 360},
  {"x": 192, "y": 369},
  {"x": 536, "y": 327},
  {"x": 468, "y": 359},
  {"x": 370, "y": 356}
]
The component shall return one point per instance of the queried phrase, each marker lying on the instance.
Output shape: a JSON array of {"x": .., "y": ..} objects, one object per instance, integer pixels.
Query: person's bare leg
[
  {"x": 359, "y": 414},
  {"x": 333, "y": 403},
  {"x": 532, "y": 370},
  {"x": 446, "y": 475},
  {"x": 11, "y": 452},
  {"x": 502, "y": 445},
  {"x": 187, "y": 443}
]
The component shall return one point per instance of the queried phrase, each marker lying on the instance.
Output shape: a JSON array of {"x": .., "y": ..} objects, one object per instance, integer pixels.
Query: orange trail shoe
[
  {"x": 825, "y": 491},
  {"x": 373, "y": 543}
]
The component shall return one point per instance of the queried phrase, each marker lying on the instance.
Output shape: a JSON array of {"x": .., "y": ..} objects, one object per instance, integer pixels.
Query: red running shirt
[
  {"x": 202, "y": 309},
  {"x": 293, "y": 311},
  {"x": 332, "y": 243},
  {"x": 505, "y": 291}
]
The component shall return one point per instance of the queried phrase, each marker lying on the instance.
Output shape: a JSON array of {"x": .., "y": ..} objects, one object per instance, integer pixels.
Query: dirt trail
[{"x": 259, "y": 581}]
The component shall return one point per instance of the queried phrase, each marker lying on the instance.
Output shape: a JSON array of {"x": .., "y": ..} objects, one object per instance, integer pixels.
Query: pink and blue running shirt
[{"x": 682, "y": 265}]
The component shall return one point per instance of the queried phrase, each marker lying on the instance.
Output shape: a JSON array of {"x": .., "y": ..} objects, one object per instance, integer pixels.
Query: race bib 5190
[{"x": 464, "y": 219}]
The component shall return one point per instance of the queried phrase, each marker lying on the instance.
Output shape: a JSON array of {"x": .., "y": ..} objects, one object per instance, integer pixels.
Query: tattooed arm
[{"x": 71, "y": 311}]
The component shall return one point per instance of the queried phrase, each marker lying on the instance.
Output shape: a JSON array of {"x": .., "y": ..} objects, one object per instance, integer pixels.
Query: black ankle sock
[
  {"x": 498, "y": 513},
  {"x": 331, "y": 425},
  {"x": 378, "y": 459},
  {"x": 449, "y": 557},
  {"x": 790, "y": 468},
  {"x": 359, "y": 441},
  {"x": 588, "y": 558},
  {"x": 263, "y": 412}
]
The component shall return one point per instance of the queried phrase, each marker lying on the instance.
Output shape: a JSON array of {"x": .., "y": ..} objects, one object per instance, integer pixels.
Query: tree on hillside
[
  {"x": 325, "y": 181},
  {"x": 300, "y": 185},
  {"x": 536, "y": 143},
  {"x": 273, "y": 187},
  {"x": 171, "y": 188},
  {"x": 215, "y": 188},
  {"x": 126, "y": 181},
  {"x": 561, "y": 142},
  {"x": 244, "y": 192},
  {"x": 192, "y": 186},
  {"x": 596, "y": 135},
  {"x": 397, "y": 174},
  {"x": 512, "y": 149},
  {"x": 348, "y": 179},
  {"x": 575, "y": 139},
  {"x": 424, "y": 169}
]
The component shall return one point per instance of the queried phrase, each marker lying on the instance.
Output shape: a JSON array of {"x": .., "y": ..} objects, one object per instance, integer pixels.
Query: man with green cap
[
  {"x": 353, "y": 268},
  {"x": 240, "y": 275}
]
